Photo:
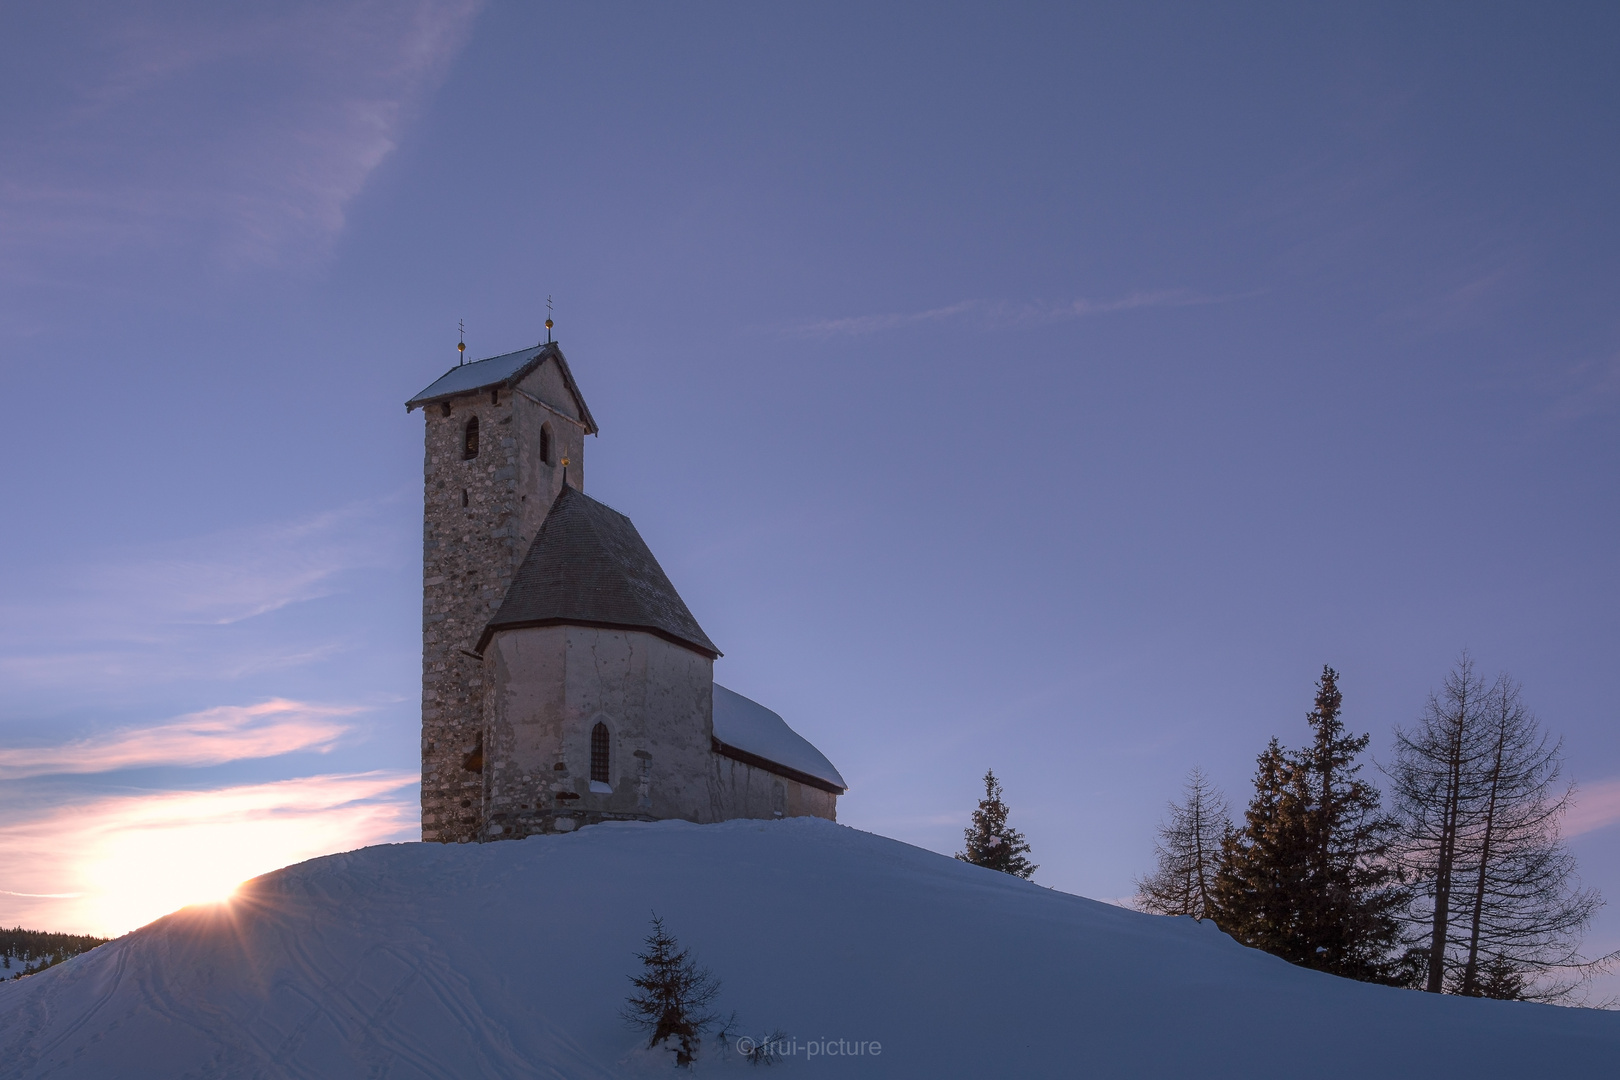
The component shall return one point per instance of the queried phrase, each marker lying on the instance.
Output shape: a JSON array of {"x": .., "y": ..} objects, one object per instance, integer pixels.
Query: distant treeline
[{"x": 23, "y": 952}]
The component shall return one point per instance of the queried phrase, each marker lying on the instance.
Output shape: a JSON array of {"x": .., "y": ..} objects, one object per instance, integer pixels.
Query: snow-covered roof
[
  {"x": 506, "y": 370},
  {"x": 751, "y": 730}
]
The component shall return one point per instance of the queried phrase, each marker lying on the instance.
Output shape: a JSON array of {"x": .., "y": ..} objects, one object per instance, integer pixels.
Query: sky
[{"x": 1046, "y": 388}]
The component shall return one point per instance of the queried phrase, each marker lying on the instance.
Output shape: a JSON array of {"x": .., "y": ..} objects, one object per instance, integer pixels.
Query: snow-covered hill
[{"x": 510, "y": 960}]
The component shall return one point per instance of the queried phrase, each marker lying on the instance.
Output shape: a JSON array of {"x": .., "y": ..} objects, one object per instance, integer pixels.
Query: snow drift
[{"x": 511, "y": 960}]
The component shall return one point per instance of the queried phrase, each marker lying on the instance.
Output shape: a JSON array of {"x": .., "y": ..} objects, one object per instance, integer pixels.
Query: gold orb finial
[{"x": 548, "y": 324}]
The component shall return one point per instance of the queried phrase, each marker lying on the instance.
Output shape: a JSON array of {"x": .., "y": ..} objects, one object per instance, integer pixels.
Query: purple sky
[{"x": 1053, "y": 389}]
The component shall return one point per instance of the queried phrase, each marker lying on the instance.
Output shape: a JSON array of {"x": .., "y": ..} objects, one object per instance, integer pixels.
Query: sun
[
  {"x": 153, "y": 872},
  {"x": 136, "y": 858}
]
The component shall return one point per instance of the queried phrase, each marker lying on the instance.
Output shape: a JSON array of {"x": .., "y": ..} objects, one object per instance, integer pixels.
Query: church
[{"x": 564, "y": 680}]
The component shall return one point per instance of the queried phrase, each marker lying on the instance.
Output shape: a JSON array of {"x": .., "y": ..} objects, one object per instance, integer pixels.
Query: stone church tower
[{"x": 564, "y": 681}]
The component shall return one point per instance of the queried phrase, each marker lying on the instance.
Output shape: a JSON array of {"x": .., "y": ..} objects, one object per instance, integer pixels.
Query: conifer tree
[
  {"x": 991, "y": 843},
  {"x": 1352, "y": 912},
  {"x": 1262, "y": 863},
  {"x": 673, "y": 995},
  {"x": 1307, "y": 877},
  {"x": 1189, "y": 853}
]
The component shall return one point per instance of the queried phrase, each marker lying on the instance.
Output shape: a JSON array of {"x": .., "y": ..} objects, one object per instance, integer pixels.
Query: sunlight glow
[{"x": 132, "y": 859}]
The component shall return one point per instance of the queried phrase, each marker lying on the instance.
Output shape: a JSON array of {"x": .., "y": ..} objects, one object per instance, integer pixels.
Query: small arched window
[
  {"x": 600, "y": 744},
  {"x": 545, "y": 444},
  {"x": 469, "y": 440}
]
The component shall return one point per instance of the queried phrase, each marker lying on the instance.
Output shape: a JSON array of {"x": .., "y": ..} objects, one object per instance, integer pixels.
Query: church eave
[
  {"x": 770, "y": 766},
  {"x": 527, "y": 624},
  {"x": 573, "y": 388}
]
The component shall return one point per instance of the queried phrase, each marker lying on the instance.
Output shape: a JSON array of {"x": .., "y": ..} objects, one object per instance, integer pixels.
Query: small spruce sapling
[
  {"x": 673, "y": 995},
  {"x": 991, "y": 843}
]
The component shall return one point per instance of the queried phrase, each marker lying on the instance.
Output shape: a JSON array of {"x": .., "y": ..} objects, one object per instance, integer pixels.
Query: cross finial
[
  {"x": 548, "y": 320},
  {"x": 461, "y": 346}
]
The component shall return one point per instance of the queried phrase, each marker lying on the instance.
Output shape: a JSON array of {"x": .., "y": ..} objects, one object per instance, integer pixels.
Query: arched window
[
  {"x": 600, "y": 743},
  {"x": 545, "y": 444},
  {"x": 469, "y": 442}
]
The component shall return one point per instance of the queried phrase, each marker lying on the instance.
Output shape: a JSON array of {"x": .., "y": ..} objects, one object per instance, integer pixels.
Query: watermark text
[{"x": 784, "y": 1047}]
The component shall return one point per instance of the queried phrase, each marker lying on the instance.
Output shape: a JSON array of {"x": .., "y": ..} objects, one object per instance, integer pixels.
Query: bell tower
[{"x": 502, "y": 437}]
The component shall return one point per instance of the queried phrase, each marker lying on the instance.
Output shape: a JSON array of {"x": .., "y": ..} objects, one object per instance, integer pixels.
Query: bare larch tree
[
  {"x": 1189, "y": 853},
  {"x": 1477, "y": 784},
  {"x": 1435, "y": 783}
]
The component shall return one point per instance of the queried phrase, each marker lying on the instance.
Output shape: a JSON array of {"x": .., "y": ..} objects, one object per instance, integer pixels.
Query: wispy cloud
[
  {"x": 1597, "y": 806},
  {"x": 1464, "y": 303},
  {"x": 1003, "y": 313},
  {"x": 159, "y": 613},
  {"x": 226, "y": 577},
  {"x": 108, "y": 865},
  {"x": 871, "y": 324},
  {"x": 210, "y": 737},
  {"x": 1590, "y": 388},
  {"x": 134, "y": 151},
  {"x": 164, "y": 658}
]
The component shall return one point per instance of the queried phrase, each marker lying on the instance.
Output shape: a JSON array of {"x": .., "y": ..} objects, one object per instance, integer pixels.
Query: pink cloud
[
  {"x": 1597, "y": 805},
  {"x": 210, "y": 737}
]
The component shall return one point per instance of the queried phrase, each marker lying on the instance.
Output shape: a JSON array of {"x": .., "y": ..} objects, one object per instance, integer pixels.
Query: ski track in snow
[{"x": 512, "y": 959}]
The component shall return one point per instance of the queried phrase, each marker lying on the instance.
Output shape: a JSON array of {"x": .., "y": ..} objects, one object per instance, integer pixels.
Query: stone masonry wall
[
  {"x": 479, "y": 517},
  {"x": 741, "y": 790},
  {"x": 551, "y": 685}
]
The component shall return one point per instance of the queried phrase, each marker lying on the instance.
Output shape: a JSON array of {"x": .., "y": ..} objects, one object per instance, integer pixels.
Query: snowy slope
[{"x": 510, "y": 960}]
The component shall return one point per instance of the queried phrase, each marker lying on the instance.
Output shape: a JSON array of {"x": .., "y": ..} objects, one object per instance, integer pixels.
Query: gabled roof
[
  {"x": 502, "y": 372},
  {"x": 749, "y": 732},
  {"x": 589, "y": 567}
]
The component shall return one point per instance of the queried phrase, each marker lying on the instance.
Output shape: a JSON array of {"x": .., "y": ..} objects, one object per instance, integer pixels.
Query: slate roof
[
  {"x": 502, "y": 372},
  {"x": 589, "y": 567}
]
